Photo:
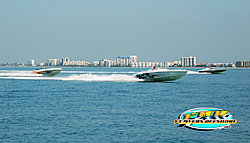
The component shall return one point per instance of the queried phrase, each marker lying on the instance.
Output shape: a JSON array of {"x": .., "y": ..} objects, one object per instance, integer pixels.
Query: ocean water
[{"x": 110, "y": 105}]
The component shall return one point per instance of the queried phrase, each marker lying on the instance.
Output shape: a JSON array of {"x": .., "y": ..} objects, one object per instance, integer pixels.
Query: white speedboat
[
  {"x": 212, "y": 71},
  {"x": 161, "y": 75},
  {"x": 47, "y": 72}
]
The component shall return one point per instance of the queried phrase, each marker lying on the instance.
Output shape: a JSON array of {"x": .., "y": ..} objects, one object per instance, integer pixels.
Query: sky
[{"x": 154, "y": 30}]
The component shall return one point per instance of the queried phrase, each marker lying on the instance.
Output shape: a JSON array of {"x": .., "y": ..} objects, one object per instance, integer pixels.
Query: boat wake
[
  {"x": 100, "y": 72},
  {"x": 195, "y": 72},
  {"x": 14, "y": 73},
  {"x": 71, "y": 75},
  {"x": 101, "y": 77},
  {"x": 76, "y": 75},
  {"x": 192, "y": 72},
  {"x": 81, "y": 77}
]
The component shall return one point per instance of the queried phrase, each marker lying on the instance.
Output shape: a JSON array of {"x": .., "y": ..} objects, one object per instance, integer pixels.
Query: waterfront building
[
  {"x": 136, "y": 64},
  {"x": 178, "y": 63},
  {"x": 95, "y": 63},
  {"x": 127, "y": 61},
  {"x": 80, "y": 63},
  {"x": 166, "y": 64},
  {"x": 114, "y": 63},
  {"x": 188, "y": 61},
  {"x": 140, "y": 64},
  {"x": 70, "y": 63},
  {"x": 133, "y": 58},
  {"x": 118, "y": 61},
  {"x": 102, "y": 62},
  {"x": 31, "y": 62},
  {"x": 109, "y": 63},
  {"x": 149, "y": 64},
  {"x": 202, "y": 64},
  {"x": 53, "y": 62},
  {"x": 161, "y": 64},
  {"x": 242, "y": 64},
  {"x": 170, "y": 64},
  {"x": 122, "y": 61},
  {"x": 87, "y": 63},
  {"x": 64, "y": 61},
  {"x": 132, "y": 64},
  {"x": 220, "y": 64},
  {"x": 41, "y": 64}
]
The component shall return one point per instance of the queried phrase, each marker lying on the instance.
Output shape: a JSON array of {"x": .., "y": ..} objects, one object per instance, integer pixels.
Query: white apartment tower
[
  {"x": 118, "y": 61},
  {"x": 64, "y": 61},
  {"x": 31, "y": 62},
  {"x": 53, "y": 62},
  {"x": 133, "y": 59},
  {"x": 188, "y": 61},
  {"x": 122, "y": 61}
]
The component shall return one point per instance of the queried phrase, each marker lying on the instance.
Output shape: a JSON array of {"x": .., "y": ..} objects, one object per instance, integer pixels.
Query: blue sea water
[{"x": 109, "y": 105}]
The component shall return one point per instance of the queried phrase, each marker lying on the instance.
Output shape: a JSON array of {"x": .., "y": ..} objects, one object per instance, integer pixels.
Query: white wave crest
[
  {"x": 79, "y": 77},
  {"x": 13, "y": 73},
  {"x": 192, "y": 72},
  {"x": 196, "y": 72},
  {"x": 100, "y": 72},
  {"x": 101, "y": 77}
]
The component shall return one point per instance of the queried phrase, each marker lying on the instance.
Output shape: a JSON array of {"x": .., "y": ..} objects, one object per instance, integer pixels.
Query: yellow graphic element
[
  {"x": 205, "y": 114},
  {"x": 216, "y": 113},
  {"x": 223, "y": 112}
]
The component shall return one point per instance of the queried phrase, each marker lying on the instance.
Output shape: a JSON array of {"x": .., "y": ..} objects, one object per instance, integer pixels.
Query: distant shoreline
[{"x": 122, "y": 67}]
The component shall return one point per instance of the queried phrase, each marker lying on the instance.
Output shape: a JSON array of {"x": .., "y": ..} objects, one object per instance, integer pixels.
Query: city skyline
[
  {"x": 72, "y": 61},
  {"x": 130, "y": 61},
  {"x": 214, "y": 31}
]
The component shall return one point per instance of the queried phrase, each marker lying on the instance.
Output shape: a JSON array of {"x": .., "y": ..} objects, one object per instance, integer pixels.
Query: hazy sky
[{"x": 154, "y": 30}]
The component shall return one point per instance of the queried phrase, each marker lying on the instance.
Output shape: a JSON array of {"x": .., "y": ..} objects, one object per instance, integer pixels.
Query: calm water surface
[{"x": 109, "y": 105}]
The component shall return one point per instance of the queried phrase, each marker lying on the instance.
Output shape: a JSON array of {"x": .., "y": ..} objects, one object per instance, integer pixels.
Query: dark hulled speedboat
[{"x": 212, "y": 71}]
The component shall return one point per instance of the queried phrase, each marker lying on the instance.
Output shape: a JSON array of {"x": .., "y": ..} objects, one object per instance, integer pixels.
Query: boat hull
[
  {"x": 159, "y": 76},
  {"x": 213, "y": 71},
  {"x": 48, "y": 72}
]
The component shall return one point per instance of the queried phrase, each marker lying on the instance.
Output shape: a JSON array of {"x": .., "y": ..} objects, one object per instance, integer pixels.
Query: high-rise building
[
  {"x": 188, "y": 61},
  {"x": 118, "y": 61},
  {"x": 122, "y": 61},
  {"x": 95, "y": 63},
  {"x": 243, "y": 64},
  {"x": 31, "y": 62},
  {"x": 64, "y": 61},
  {"x": 127, "y": 61},
  {"x": 133, "y": 58},
  {"x": 53, "y": 62},
  {"x": 103, "y": 62}
]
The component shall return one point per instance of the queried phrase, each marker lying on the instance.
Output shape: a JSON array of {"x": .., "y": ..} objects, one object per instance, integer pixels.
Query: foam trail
[
  {"x": 192, "y": 72},
  {"x": 80, "y": 77},
  {"x": 94, "y": 72},
  {"x": 103, "y": 77},
  {"x": 195, "y": 72},
  {"x": 26, "y": 77},
  {"x": 9, "y": 73}
]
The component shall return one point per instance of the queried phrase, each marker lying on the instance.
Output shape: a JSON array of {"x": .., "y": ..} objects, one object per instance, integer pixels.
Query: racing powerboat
[
  {"x": 47, "y": 72},
  {"x": 212, "y": 70},
  {"x": 160, "y": 75}
]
